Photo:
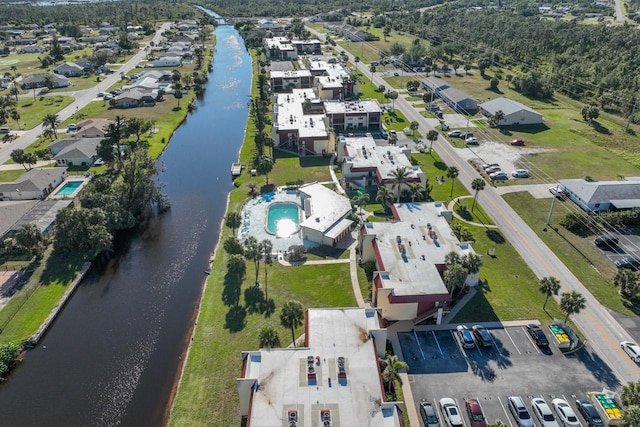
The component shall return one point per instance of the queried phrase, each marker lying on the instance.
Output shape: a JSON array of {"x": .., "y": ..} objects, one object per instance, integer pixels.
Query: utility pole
[
  {"x": 553, "y": 202},
  {"x": 635, "y": 103}
]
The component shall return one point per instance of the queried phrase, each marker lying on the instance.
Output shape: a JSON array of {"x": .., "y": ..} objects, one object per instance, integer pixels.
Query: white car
[
  {"x": 519, "y": 411},
  {"x": 543, "y": 413},
  {"x": 492, "y": 169},
  {"x": 632, "y": 349},
  {"x": 451, "y": 412},
  {"x": 565, "y": 413},
  {"x": 498, "y": 176},
  {"x": 520, "y": 173},
  {"x": 454, "y": 134}
]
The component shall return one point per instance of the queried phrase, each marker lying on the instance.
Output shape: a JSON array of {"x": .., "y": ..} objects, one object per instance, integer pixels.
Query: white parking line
[
  {"x": 459, "y": 345},
  {"x": 437, "y": 343},
  {"x": 464, "y": 423},
  {"x": 419, "y": 346},
  {"x": 505, "y": 412},
  {"x": 493, "y": 340},
  {"x": 513, "y": 342},
  {"x": 531, "y": 340}
]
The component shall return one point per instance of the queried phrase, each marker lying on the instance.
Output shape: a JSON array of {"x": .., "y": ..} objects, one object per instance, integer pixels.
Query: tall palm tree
[
  {"x": 237, "y": 266},
  {"x": 391, "y": 367},
  {"x": 452, "y": 258},
  {"x": 177, "y": 91},
  {"x": 416, "y": 191},
  {"x": 266, "y": 247},
  {"x": 454, "y": 276},
  {"x": 452, "y": 174},
  {"x": 268, "y": 337},
  {"x": 477, "y": 185},
  {"x": 14, "y": 91},
  {"x": 399, "y": 178},
  {"x": 432, "y": 136},
  {"x": 472, "y": 262},
  {"x": 360, "y": 200},
  {"x": 15, "y": 115},
  {"x": 384, "y": 197},
  {"x": 233, "y": 221},
  {"x": 253, "y": 253},
  {"x": 571, "y": 303},
  {"x": 549, "y": 286},
  {"x": 291, "y": 317},
  {"x": 51, "y": 121}
]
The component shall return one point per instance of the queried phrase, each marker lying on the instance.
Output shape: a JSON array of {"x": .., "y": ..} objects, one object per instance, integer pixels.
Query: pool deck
[{"x": 54, "y": 195}]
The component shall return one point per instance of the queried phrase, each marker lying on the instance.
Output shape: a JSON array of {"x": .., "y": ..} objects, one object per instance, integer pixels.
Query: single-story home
[
  {"x": 33, "y": 49},
  {"x": 69, "y": 69},
  {"x": 514, "y": 112},
  {"x": 40, "y": 80},
  {"x": 35, "y": 184},
  {"x": 75, "y": 152},
  {"x": 167, "y": 61},
  {"x": 595, "y": 196},
  {"x": 136, "y": 97},
  {"x": 92, "y": 128},
  {"x": 458, "y": 100}
]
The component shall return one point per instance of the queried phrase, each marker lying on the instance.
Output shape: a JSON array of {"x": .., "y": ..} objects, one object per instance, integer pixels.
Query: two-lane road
[{"x": 82, "y": 98}]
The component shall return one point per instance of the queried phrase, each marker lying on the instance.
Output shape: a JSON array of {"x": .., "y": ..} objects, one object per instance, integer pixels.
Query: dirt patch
[{"x": 507, "y": 156}]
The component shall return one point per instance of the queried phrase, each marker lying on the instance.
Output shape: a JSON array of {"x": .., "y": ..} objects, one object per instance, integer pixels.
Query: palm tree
[
  {"x": 29, "y": 237},
  {"x": 452, "y": 258},
  {"x": 432, "y": 136},
  {"x": 268, "y": 337},
  {"x": 477, "y": 185},
  {"x": 497, "y": 117},
  {"x": 15, "y": 115},
  {"x": 360, "y": 200},
  {"x": 416, "y": 192},
  {"x": 571, "y": 303},
  {"x": 454, "y": 276},
  {"x": 399, "y": 178},
  {"x": 233, "y": 221},
  {"x": 472, "y": 262},
  {"x": 15, "y": 91},
  {"x": 627, "y": 281},
  {"x": 549, "y": 286},
  {"x": 266, "y": 247},
  {"x": 51, "y": 121},
  {"x": 177, "y": 92},
  {"x": 452, "y": 174},
  {"x": 630, "y": 395},
  {"x": 391, "y": 367},
  {"x": 384, "y": 197},
  {"x": 291, "y": 317},
  {"x": 252, "y": 253}
]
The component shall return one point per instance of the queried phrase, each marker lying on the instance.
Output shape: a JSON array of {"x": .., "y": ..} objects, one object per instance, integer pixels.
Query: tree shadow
[
  {"x": 506, "y": 132},
  {"x": 598, "y": 127},
  {"x": 529, "y": 129},
  {"x": 236, "y": 319},
  {"x": 598, "y": 367},
  {"x": 231, "y": 291},
  {"x": 440, "y": 165},
  {"x": 495, "y": 236},
  {"x": 61, "y": 268},
  {"x": 254, "y": 300},
  {"x": 267, "y": 188}
]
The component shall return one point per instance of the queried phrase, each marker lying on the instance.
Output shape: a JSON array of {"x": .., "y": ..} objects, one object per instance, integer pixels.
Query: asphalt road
[
  {"x": 603, "y": 332},
  {"x": 82, "y": 98}
]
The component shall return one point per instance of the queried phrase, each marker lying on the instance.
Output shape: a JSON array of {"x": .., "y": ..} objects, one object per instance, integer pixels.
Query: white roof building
[
  {"x": 325, "y": 213},
  {"x": 334, "y": 380},
  {"x": 515, "y": 113}
]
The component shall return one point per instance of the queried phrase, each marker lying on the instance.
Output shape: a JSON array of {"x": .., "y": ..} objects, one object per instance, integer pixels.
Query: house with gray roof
[
  {"x": 75, "y": 152},
  {"x": 458, "y": 100},
  {"x": 33, "y": 81},
  {"x": 515, "y": 113},
  {"x": 136, "y": 97},
  {"x": 35, "y": 184},
  {"x": 69, "y": 69},
  {"x": 597, "y": 196}
]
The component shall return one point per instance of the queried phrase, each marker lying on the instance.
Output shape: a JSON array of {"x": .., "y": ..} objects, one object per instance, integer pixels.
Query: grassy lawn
[
  {"x": 31, "y": 305},
  {"x": 32, "y": 111},
  {"x": 369, "y": 51},
  {"x": 289, "y": 169},
  {"x": 11, "y": 175},
  {"x": 584, "y": 260}
]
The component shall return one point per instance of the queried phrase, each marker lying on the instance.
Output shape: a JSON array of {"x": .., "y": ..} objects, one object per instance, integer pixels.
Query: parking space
[
  {"x": 439, "y": 367},
  {"x": 628, "y": 246}
]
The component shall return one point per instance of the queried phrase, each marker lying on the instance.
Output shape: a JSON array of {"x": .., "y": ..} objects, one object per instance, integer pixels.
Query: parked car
[
  {"x": 471, "y": 141},
  {"x": 465, "y": 337},
  {"x": 433, "y": 107},
  {"x": 499, "y": 176},
  {"x": 465, "y": 135},
  {"x": 520, "y": 173},
  {"x": 115, "y": 92},
  {"x": 428, "y": 414},
  {"x": 450, "y": 412},
  {"x": 72, "y": 127},
  {"x": 632, "y": 349},
  {"x": 482, "y": 336},
  {"x": 558, "y": 193},
  {"x": 519, "y": 411},
  {"x": 454, "y": 134},
  {"x": 537, "y": 334},
  {"x": 475, "y": 413},
  {"x": 517, "y": 142},
  {"x": 488, "y": 165},
  {"x": 628, "y": 262},
  {"x": 543, "y": 413},
  {"x": 396, "y": 74},
  {"x": 101, "y": 94},
  {"x": 589, "y": 413},
  {"x": 565, "y": 413},
  {"x": 492, "y": 169},
  {"x": 606, "y": 240}
]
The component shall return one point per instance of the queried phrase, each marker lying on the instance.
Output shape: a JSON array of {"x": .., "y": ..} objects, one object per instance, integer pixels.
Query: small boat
[{"x": 236, "y": 169}]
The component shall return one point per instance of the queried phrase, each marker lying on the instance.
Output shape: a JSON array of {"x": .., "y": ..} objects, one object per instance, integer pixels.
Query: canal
[{"x": 112, "y": 356}]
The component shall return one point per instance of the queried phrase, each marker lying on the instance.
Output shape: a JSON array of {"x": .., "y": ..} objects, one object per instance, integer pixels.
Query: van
[{"x": 4, "y": 130}]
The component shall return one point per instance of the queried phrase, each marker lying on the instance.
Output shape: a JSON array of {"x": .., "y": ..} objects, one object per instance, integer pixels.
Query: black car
[
  {"x": 482, "y": 336},
  {"x": 589, "y": 413},
  {"x": 628, "y": 262},
  {"x": 537, "y": 334},
  {"x": 607, "y": 240}
]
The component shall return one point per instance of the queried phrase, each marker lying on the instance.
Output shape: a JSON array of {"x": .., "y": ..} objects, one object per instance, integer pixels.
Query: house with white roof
[
  {"x": 332, "y": 380},
  {"x": 457, "y": 99},
  {"x": 514, "y": 112},
  {"x": 409, "y": 255},
  {"x": 594, "y": 196},
  {"x": 298, "y": 127},
  {"x": 280, "y": 48},
  {"x": 285, "y": 81},
  {"x": 325, "y": 213},
  {"x": 367, "y": 165},
  {"x": 333, "y": 81},
  {"x": 361, "y": 115}
]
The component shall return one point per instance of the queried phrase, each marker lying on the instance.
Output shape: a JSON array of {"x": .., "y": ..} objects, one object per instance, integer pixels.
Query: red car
[
  {"x": 518, "y": 142},
  {"x": 475, "y": 413}
]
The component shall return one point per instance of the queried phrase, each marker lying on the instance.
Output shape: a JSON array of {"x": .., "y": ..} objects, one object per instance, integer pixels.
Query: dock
[{"x": 236, "y": 169}]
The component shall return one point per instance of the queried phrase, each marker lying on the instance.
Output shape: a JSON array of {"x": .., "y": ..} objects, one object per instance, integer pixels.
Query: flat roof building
[
  {"x": 326, "y": 215},
  {"x": 280, "y": 48},
  {"x": 594, "y": 196},
  {"x": 363, "y": 115},
  {"x": 514, "y": 112},
  {"x": 286, "y": 81},
  {"x": 459, "y": 100},
  {"x": 334, "y": 380}
]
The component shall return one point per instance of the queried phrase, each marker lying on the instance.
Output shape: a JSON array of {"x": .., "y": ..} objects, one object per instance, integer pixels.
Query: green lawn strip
[
  {"x": 11, "y": 175},
  {"x": 32, "y": 111},
  {"x": 31, "y": 305},
  {"x": 365, "y": 285},
  {"x": 370, "y": 51},
  {"x": 585, "y": 261}
]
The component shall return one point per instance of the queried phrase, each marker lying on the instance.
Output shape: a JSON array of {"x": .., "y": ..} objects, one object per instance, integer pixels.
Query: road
[
  {"x": 602, "y": 331},
  {"x": 82, "y": 98},
  {"x": 619, "y": 12}
]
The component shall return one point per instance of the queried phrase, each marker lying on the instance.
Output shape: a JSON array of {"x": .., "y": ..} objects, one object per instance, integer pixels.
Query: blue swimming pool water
[
  {"x": 283, "y": 219},
  {"x": 69, "y": 188}
]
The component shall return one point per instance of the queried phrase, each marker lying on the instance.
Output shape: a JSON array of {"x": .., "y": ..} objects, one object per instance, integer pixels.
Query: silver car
[
  {"x": 519, "y": 411},
  {"x": 543, "y": 413}
]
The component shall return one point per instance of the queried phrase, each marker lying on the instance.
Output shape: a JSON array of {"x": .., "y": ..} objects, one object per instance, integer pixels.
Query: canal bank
[{"x": 113, "y": 354}]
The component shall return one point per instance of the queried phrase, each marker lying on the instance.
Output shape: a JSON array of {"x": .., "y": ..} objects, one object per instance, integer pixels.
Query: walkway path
[{"x": 15, "y": 166}]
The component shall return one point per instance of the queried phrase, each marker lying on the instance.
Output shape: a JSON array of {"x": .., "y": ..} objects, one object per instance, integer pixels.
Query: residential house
[
  {"x": 188, "y": 39},
  {"x": 75, "y": 152},
  {"x": 167, "y": 61},
  {"x": 105, "y": 31},
  {"x": 347, "y": 32},
  {"x": 35, "y": 184},
  {"x": 333, "y": 379},
  {"x": 69, "y": 69},
  {"x": 33, "y": 81},
  {"x": 188, "y": 25},
  {"x": 162, "y": 76},
  {"x": 86, "y": 64},
  {"x": 267, "y": 24},
  {"x": 136, "y": 97},
  {"x": 363, "y": 115},
  {"x": 34, "y": 48},
  {"x": 92, "y": 128},
  {"x": 597, "y": 196},
  {"x": 458, "y": 100},
  {"x": 514, "y": 112},
  {"x": 409, "y": 255}
]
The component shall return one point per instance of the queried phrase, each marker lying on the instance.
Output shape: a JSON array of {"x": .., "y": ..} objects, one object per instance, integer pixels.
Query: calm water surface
[{"x": 112, "y": 355}]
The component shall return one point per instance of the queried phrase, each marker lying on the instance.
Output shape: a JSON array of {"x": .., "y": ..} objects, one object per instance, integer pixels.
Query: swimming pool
[
  {"x": 69, "y": 188},
  {"x": 283, "y": 219},
  {"x": 163, "y": 85}
]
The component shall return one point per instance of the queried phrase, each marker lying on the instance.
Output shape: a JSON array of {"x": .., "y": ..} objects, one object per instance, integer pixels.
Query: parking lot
[
  {"x": 439, "y": 367},
  {"x": 628, "y": 246}
]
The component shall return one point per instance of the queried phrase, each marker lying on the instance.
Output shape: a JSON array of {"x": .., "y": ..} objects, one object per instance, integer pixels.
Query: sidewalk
[{"x": 12, "y": 167}]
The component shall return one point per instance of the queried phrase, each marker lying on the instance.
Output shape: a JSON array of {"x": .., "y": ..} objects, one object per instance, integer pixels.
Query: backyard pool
[
  {"x": 283, "y": 219},
  {"x": 69, "y": 188}
]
